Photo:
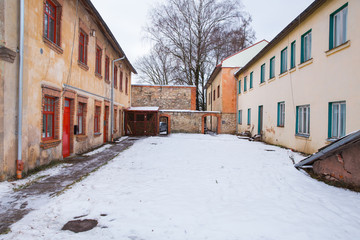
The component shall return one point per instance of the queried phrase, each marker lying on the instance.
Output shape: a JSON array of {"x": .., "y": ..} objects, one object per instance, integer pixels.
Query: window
[
  {"x": 337, "y": 119},
  {"x": 240, "y": 117},
  {"x": 239, "y": 90},
  {"x": 293, "y": 49},
  {"x": 81, "y": 118},
  {"x": 98, "y": 60},
  {"x": 48, "y": 118},
  {"x": 97, "y": 119},
  {"x": 262, "y": 73},
  {"x": 272, "y": 68},
  {"x": 218, "y": 91},
  {"x": 214, "y": 95},
  {"x": 209, "y": 99},
  {"x": 338, "y": 27},
  {"x": 281, "y": 114},
  {"x": 52, "y": 22},
  {"x": 121, "y": 81},
  {"x": 306, "y": 46},
  {"x": 83, "y": 44},
  {"x": 127, "y": 85},
  {"x": 251, "y": 80},
  {"x": 115, "y": 76},
  {"x": 115, "y": 116},
  {"x": 107, "y": 63},
  {"x": 303, "y": 120},
  {"x": 283, "y": 67},
  {"x": 245, "y": 84},
  {"x": 249, "y": 116}
]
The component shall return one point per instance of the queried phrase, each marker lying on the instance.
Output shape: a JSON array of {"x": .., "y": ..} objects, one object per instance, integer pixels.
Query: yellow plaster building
[
  {"x": 68, "y": 68},
  {"x": 302, "y": 90}
]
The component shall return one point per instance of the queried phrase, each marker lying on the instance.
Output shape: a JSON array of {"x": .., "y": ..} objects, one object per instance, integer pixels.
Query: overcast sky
[{"x": 126, "y": 19}]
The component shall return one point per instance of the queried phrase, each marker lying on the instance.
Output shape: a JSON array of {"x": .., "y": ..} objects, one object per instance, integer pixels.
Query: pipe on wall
[{"x": 19, "y": 162}]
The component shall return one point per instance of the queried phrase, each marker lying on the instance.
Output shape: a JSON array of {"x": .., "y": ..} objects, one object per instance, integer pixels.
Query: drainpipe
[
  {"x": 112, "y": 96},
  {"x": 237, "y": 107},
  {"x": 19, "y": 162}
]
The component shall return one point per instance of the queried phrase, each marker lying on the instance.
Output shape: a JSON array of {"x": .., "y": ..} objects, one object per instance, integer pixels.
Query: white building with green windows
[{"x": 302, "y": 91}]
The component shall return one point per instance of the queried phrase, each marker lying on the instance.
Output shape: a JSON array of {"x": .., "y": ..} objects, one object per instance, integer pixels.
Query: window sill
[
  {"x": 283, "y": 74},
  {"x": 291, "y": 70},
  {"x": 83, "y": 66},
  {"x": 262, "y": 84},
  {"x": 338, "y": 48},
  {"x": 98, "y": 75},
  {"x": 53, "y": 46},
  {"x": 251, "y": 89},
  {"x": 107, "y": 81},
  {"x": 299, "y": 135},
  {"x": 97, "y": 134},
  {"x": 330, "y": 140},
  {"x": 304, "y": 64},
  {"x": 81, "y": 137},
  {"x": 46, "y": 144},
  {"x": 271, "y": 79},
  {"x": 281, "y": 126}
]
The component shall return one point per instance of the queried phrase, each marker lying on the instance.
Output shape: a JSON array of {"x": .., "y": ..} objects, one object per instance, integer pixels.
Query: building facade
[
  {"x": 302, "y": 90},
  {"x": 221, "y": 88},
  {"x": 67, "y": 82}
]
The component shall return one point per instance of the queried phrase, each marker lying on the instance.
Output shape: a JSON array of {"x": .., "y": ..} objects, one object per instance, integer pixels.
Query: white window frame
[
  {"x": 303, "y": 120},
  {"x": 338, "y": 119}
]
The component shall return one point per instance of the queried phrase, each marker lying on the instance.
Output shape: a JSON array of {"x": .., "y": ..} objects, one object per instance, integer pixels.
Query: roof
[
  {"x": 331, "y": 149},
  {"x": 106, "y": 30},
  {"x": 143, "y": 109},
  {"x": 238, "y": 59},
  {"x": 291, "y": 26}
]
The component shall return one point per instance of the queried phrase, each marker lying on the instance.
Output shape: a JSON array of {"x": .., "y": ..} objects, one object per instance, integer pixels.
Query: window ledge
[
  {"x": 53, "y": 46},
  {"x": 251, "y": 89},
  {"x": 107, "y": 81},
  {"x": 49, "y": 143},
  {"x": 304, "y": 64},
  {"x": 81, "y": 137},
  {"x": 283, "y": 74},
  {"x": 83, "y": 66},
  {"x": 280, "y": 126},
  {"x": 338, "y": 48},
  {"x": 271, "y": 79},
  {"x": 292, "y": 70},
  {"x": 98, "y": 75},
  {"x": 330, "y": 140},
  {"x": 299, "y": 135},
  {"x": 97, "y": 134},
  {"x": 262, "y": 84}
]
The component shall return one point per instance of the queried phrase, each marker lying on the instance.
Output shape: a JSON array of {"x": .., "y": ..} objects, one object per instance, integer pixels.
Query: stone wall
[
  {"x": 165, "y": 97},
  {"x": 228, "y": 123},
  {"x": 343, "y": 167}
]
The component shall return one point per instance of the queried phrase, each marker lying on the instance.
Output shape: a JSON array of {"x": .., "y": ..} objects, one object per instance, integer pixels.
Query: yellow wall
[{"x": 324, "y": 79}]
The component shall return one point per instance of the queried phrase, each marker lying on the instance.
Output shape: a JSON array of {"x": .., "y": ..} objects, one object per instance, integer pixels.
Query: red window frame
[
  {"x": 107, "y": 61},
  {"x": 115, "y": 76},
  {"x": 98, "y": 60},
  {"x": 80, "y": 115},
  {"x": 83, "y": 42},
  {"x": 121, "y": 81},
  {"x": 48, "y": 110},
  {"x": 127, "y": 85},
  {"x": 50, "y": 14},
  {"x": 218, "y": 91},
  {"x": 97, "y": 119}
]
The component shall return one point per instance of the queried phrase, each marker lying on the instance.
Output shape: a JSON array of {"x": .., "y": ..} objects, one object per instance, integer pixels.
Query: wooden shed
[{"x": 141, "y": 121}]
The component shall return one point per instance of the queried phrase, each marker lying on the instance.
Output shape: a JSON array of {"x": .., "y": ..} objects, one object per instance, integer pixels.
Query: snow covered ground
[{"x": 199, "y": 187}]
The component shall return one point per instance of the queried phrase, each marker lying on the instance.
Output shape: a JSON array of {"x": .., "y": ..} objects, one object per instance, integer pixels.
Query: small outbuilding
[{"x": 141, "y": 121}]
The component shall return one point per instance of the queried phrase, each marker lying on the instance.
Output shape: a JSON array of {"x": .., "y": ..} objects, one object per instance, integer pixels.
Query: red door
[
  {"x": 106, "y": 123},
  {"x": 66, "y": 129}
]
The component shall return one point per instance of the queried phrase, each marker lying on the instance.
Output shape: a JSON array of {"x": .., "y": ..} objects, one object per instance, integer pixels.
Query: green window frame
[
  {"x": 303, "y": 120},
  {"x": 272, "y": 68},
  {"x": 338, "y": 27},
  {"x": 249, "y": 116},
  {"x": 262, "y": 73},
  {"x": 281, "y": 114},
  {"x": 239, "y": 116},
  {"x": 293, "y": 55},
  {"x": 283, "y": 65},
  {"x": 239, "y": 90},
  {"x": 337, "y": 120},
  {"x": 251, "y": 80},
  {"x": 306, "y": 40},
  {"x": 245, "y": 84}
]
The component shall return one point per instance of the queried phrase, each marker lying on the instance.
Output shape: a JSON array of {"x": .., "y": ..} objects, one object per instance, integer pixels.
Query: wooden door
[{"x": 66, "y": 129}]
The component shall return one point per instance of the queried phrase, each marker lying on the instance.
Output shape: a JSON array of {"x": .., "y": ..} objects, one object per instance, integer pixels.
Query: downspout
[
  {"x": 19, "y": 162},
  {"x": 112, "y": 96},
  {"x": 237, "y": 106}
]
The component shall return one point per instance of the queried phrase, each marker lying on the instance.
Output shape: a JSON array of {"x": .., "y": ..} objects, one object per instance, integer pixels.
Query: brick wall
[{"x": 165, "y": 97}]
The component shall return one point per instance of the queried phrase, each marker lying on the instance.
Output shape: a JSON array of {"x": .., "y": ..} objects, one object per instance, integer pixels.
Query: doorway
[{"x": 66, "y": 129}]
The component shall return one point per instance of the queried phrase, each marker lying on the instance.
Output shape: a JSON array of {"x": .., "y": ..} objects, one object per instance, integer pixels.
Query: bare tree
[{"x": 193, "y": 35}]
